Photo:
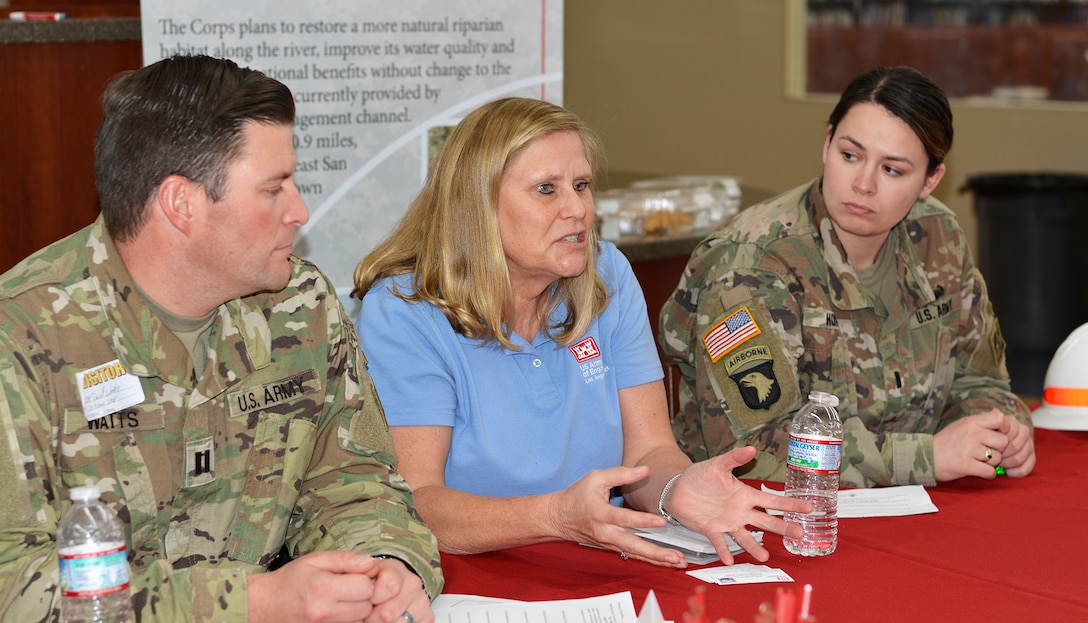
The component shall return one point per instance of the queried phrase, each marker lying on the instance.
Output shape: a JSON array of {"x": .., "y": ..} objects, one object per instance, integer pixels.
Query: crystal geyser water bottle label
[
  {"x": 93, "y": 573},
  {"x": 814, "y": 455}
]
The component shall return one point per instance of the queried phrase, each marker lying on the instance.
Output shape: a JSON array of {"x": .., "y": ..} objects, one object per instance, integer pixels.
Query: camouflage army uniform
[
  {"x": 769, "y": 310},
  {"x": 278, "y": 440}
]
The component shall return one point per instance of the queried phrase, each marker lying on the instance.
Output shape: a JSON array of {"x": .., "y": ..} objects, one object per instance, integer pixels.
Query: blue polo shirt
[{"x": 524, "y": 422}]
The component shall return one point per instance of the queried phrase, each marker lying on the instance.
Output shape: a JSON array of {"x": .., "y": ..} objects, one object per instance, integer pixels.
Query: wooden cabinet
[{"x": 51, "y": 108}]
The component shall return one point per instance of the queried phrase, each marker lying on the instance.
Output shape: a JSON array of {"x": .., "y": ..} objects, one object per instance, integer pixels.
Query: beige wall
[{"x": 697, "y": 86}]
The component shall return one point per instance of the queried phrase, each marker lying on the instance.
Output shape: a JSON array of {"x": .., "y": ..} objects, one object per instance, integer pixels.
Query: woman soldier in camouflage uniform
[{"x": 861, "y": 284}]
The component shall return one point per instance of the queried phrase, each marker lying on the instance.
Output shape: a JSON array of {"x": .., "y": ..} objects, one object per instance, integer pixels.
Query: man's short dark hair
[{"x": 184, "y": 115}]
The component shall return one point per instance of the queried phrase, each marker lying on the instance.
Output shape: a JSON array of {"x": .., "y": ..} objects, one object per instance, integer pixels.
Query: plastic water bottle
[
  {"x": 812, "y": 474},
  {"x": 93, "y": 561}
]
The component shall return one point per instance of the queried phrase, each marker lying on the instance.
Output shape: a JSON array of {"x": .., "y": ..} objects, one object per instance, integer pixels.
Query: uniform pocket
[
  {"x": 827, "y": 365},
  {"x": 943, "y": 373},
  {"x": 271, "y": 487},
  {"x": 91, "y": 451}
]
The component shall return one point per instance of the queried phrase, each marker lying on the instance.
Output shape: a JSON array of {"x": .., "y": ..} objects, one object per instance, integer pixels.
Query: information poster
[{"x": 377, "y": 85}]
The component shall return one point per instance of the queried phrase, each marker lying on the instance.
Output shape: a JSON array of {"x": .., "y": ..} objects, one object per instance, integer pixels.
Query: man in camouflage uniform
[
  {"x": 769, "y": 310},
  {"x": 177, "y": 356}
]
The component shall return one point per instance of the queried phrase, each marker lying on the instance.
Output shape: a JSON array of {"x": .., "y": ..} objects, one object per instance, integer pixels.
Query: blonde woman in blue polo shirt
[{"x": 513, "y": 355}]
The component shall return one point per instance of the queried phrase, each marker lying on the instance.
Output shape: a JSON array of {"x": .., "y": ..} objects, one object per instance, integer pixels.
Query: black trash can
[{"x": 1033, "y": 253}]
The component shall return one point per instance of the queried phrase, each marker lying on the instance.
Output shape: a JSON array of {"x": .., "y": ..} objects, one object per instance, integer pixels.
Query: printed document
[
  {"x": 879, "y": 502},
  {"x": 615, "y": 608}
]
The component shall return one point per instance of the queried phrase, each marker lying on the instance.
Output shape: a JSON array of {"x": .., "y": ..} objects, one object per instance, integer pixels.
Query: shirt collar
[
  {"x": 844, "y": 284},
  {"x": 240, "y": 343}
]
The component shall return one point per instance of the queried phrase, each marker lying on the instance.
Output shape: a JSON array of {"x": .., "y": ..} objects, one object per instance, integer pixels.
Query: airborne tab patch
[
  {"x": 731, "y": 332},
  {"x": 747, "y": 357}
]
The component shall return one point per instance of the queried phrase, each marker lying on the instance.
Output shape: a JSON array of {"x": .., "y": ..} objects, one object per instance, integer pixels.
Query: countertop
[
  {"x": 70, "y": 30},
  {"x": 670, "y": 245},
  {"x": 658, "y": 246}
]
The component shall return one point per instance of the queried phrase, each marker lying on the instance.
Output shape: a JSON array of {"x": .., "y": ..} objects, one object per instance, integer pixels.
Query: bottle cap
[
  {"x": 824, "y": 398},
  {"x": 84, "y": 494}
]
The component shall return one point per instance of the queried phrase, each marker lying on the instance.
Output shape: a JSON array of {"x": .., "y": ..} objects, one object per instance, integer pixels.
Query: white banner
[{"x": 377, "y": 85}]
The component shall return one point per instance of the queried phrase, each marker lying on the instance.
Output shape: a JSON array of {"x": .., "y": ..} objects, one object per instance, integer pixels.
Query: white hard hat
[{"x": 1065, "y": 390}]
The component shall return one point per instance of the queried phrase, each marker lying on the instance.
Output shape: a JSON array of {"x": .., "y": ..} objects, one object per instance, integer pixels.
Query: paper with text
[
  {"x": 695, "y": 546},
  {"x": 879, "y": 502},
  {"x": 614, "y": 608},
  {"x": 744, "y": 573}
]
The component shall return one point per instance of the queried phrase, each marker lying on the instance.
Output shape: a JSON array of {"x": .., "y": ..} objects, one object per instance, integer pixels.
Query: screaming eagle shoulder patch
[
  {"x": 749, "y": 367},
  {"x": 752, "y": 369}
]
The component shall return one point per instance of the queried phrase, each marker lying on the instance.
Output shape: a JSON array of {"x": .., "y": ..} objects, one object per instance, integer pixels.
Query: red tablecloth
[{"x": 1011, "y": 549}]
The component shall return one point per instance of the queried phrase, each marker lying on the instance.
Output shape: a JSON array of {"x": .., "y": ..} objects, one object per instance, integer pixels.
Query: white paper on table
[
  {"x": 614, "y": 608},
  {"x": 745, "y": 573},
  {"x": 695, "y": 546},
  {"x": 880, "y": 502}
]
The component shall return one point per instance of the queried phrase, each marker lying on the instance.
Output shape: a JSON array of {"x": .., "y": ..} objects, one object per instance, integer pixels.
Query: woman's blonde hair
[{"x": 449, "y": 237}]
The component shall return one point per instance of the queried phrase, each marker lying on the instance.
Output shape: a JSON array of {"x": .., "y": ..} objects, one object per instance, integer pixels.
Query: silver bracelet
[{"x": 661, "y": 501}]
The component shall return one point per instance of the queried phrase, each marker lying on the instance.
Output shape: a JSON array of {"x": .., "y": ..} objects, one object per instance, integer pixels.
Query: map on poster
[{"x": 377, "y": 85}]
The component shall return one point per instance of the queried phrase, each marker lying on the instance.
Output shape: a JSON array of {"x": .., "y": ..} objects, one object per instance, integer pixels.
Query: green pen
[{"x": 1013, "y": 410}]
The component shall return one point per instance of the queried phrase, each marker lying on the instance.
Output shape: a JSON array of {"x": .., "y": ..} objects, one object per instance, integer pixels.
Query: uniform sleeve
[
  {"x": 736, "y": 337},
  {"x": 980, "y": 382},
  {"x": 29, "y": 576},
  {"x": 750, "y": 353},
  {"x": 982, "y": 379},
  {"x": 352, "y": 498}
]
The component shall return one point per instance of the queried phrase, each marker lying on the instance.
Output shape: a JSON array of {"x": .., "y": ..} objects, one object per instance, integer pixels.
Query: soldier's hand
[
  {"x": 970, "y": 446},
  {"x": 322, "y": 586},
  {"x": 398, "y": 593},
  {"x": 1018, "y": 458}
]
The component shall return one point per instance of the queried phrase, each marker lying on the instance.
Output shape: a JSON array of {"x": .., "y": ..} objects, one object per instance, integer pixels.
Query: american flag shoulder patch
[{"x": 729, "y": 333}]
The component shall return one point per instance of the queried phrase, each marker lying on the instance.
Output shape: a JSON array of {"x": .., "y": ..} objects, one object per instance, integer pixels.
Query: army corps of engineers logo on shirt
[
  {"x": 585, "y": 350},
  {"x": 588, "y": 356},
  {"x": 751, "y": 368}
]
